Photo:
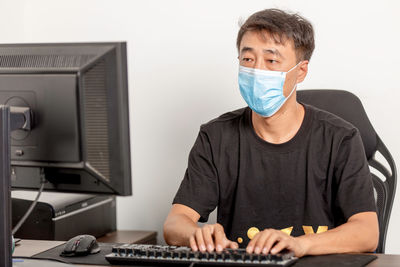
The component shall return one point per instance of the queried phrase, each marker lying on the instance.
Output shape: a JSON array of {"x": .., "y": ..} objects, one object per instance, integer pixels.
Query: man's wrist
[{"x": 305, "y": 243}]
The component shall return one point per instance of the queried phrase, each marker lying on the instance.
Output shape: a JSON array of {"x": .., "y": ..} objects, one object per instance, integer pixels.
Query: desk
[
  {"x": 28, "y": 248},
  {"x": 138, "y": 237},
  {"x": 384, "y": 260}
]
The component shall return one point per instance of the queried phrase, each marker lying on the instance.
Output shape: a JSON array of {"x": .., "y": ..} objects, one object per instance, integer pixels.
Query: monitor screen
[{"x": 78, "y": 95}]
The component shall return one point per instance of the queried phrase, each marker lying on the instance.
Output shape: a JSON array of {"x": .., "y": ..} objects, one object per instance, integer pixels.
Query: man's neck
[{"x": 281, "y": 127}]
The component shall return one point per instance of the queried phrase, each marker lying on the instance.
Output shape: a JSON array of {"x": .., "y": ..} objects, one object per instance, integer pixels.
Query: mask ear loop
[
  {"x": 295, "y": 86},
  {"x": 294, "y": 67}
]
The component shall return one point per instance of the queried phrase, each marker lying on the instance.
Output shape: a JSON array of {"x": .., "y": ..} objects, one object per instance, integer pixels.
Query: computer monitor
[
  {"x": 72, "y": 102},
  {"x": 78, "y": 95}
]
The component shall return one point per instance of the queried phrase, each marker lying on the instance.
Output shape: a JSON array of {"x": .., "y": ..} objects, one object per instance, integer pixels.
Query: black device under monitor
[{"x": 78, "y": 95}]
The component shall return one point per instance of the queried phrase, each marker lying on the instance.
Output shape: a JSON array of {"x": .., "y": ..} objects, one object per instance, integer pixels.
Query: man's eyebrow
[
  {"x": 245, "y": 49},
  {"x": 273, "y": 52},
  {"x": 267, "y": 51}
]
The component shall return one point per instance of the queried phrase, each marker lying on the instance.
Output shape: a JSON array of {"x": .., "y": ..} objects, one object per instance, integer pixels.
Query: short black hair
[{"x": 282, "y": 26}]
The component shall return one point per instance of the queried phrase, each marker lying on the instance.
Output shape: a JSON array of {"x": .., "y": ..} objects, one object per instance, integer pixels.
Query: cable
[{"x": 29, "y": 211}]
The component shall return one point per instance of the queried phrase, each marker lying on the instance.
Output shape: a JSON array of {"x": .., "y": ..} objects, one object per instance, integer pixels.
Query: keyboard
[{"x": 137, "y": 254}]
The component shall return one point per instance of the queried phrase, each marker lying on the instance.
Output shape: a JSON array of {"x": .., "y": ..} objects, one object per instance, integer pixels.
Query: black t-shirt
[{"x": 312, "y": 183}]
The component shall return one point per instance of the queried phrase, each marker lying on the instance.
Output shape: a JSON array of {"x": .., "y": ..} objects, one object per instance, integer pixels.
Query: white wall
[{"x": 183, "y": 72}]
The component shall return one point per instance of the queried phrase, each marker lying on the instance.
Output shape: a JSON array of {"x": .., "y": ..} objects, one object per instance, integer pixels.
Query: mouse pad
[
  {"x": 93, "y": 259},
  {"x": 334, "y": 260}
]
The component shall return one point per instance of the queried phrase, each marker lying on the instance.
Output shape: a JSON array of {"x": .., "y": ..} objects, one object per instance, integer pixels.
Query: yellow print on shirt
[
  {"x": 251, "y": 233},
  {"x": 309, "y": 230}
]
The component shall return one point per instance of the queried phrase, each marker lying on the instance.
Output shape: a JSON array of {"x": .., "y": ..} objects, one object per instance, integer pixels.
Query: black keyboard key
[
  {"x": 122, "y": 250},
  {"x": 185, "y": 255},
  {"x": 192, "y": 255},
  {"x": 256, "y": 257},
  {"x": 144, "y": 253},
  {"x": 237, "y": 256},
  {"x": 248, "y": 257},
  {"x": 212, "y": 256},
  {"x": 276, "y": 257},
  {"x": 150, "y": 253},
  {"x": 264, "y": 258},
  {"x": 114, "y": 250},
  {"x": 203, "y": 255},
  {"x": 158, "y": 253},
  {"x": 220, "y": 256}
]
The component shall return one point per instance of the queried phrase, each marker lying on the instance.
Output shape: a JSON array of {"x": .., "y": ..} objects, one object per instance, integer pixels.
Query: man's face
[{"x": 259, "y": 50}]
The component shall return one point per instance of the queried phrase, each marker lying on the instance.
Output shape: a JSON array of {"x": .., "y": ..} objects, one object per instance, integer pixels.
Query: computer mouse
[{"x": 80, "y": 245}]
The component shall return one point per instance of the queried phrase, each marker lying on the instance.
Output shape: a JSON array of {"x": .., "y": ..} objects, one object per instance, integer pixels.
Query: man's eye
[
  {"x": 271, "y": 61},
  {"x": 247, "y": 59}
]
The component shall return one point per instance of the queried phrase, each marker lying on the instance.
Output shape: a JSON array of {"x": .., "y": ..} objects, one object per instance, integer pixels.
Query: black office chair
[{"x": 347, "y": 106}]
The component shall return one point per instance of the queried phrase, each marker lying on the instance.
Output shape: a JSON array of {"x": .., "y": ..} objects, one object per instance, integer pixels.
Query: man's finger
[
  {"x": 200, "y": 240},
  {"x": 219, "y": 237},
  {"x": 208, "y": 239},
  {"x": 193, "y": 244},
  {"x": 233, "y": 245},
  {"x": 250, "y": 246},
  {"x": 279, "y": 247},
  {"x": 273, "y": 238},
  {"x": 263, "y": 237}
]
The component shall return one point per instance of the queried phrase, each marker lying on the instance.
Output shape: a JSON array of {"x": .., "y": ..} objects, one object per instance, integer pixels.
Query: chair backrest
[{"x": 347, "y": 106}]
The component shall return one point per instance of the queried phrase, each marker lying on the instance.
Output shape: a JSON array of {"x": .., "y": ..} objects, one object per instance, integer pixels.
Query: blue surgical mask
[{"x": 263, "y": 89}]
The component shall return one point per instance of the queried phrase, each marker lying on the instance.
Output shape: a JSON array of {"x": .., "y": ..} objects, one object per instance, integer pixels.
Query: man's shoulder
[
  {"x": 226, "y": 121},
  {"x": 331, "y": 121}
]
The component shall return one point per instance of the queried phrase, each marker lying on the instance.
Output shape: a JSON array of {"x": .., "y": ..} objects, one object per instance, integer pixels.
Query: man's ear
[{"x": 302, "y": 72}]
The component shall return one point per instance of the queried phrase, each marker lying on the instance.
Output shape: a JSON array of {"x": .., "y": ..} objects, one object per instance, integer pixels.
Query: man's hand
[
  {"x": 210, "y": 237},
  {"x": 273, "y": 241}
]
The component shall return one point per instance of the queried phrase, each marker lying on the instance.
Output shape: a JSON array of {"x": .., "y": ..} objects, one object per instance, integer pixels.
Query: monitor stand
[{"x": 10, "y": 119}]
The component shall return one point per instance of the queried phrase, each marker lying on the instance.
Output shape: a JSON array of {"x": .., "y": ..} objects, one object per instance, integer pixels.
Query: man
[{"x": 284, "y": 175}]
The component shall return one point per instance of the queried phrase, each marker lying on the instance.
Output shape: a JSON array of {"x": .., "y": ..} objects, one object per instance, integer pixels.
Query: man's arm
[
  {"x": 180, "y": 225},
  {"x": 359, "y": 234},
  {"x": 181, "y": 229}
]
